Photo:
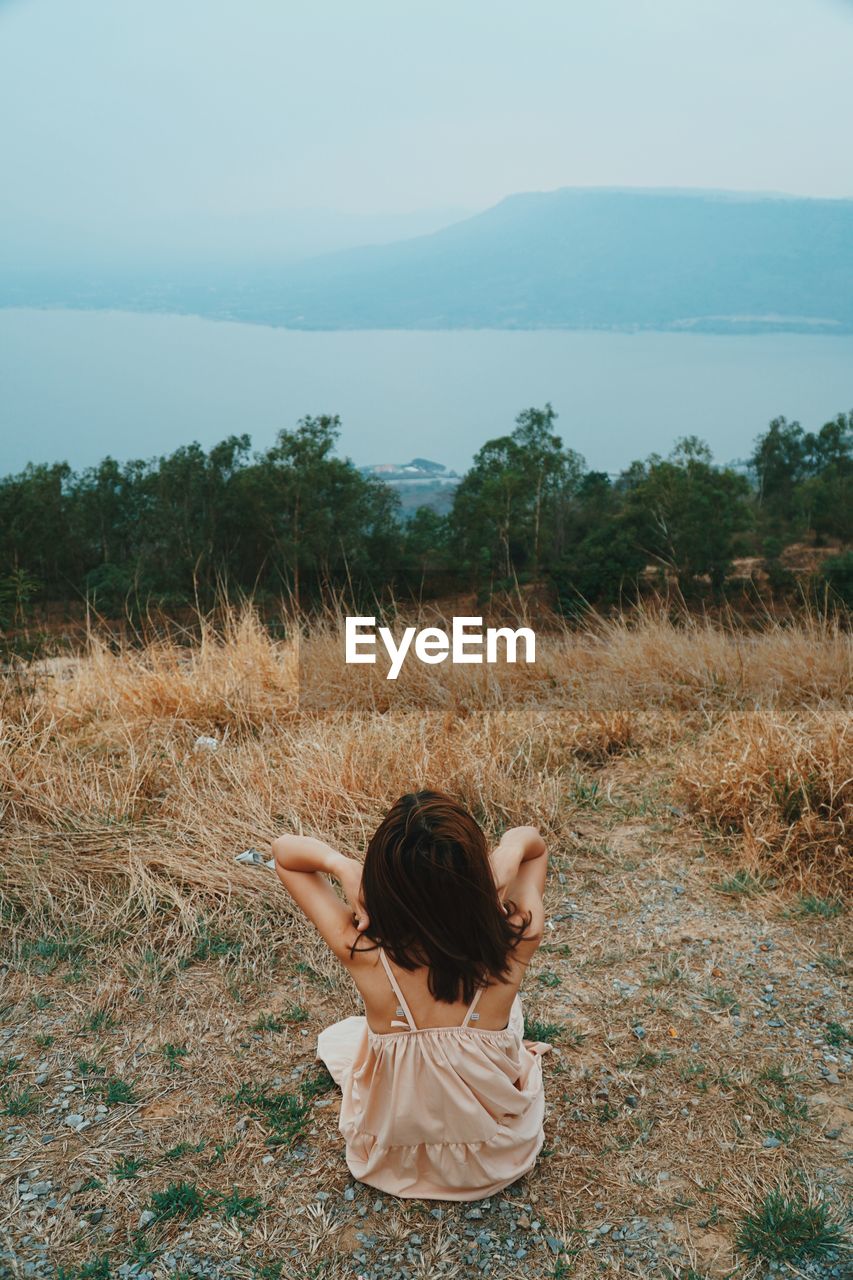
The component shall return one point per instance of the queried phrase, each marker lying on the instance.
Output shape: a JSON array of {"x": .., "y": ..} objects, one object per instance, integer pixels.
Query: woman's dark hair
[{"x": 432, "y": 900}]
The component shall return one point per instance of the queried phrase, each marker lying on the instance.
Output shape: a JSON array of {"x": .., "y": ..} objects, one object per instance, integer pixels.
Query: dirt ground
[{"x": 700, "y": 1060}]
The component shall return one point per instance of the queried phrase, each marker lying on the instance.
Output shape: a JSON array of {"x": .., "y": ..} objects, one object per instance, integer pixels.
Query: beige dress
[{"x": 437, "y": 1113}]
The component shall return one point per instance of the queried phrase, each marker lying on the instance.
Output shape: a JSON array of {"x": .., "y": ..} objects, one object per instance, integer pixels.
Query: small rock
[
  {"x": 771, "y": 1142},
  {"x": 349, "y": 1193},
  {"x": 146, "y": 1217},
  {"x": 639, "y": 1032},
  {"x": 831, "y": 1078},
  {"x": 95, "y": 1216}
]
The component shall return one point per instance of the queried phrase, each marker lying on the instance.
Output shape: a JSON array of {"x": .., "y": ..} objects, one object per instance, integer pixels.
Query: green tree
[
  {"x": 37, "y": 533},
  {"x": 311, "y": 520},
  {"x": 687, "y": 511},
  {"x": 509, "y": 512},
  {"x": 780, "y": 463},
  {"x": 603, "y": 557},
  {"x": 826, "y": 496}
]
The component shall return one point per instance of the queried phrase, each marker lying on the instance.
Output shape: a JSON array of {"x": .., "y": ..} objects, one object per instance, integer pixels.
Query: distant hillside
[
  {"x": 593, "y": 259},
  {"x": 575, "y": 258}
]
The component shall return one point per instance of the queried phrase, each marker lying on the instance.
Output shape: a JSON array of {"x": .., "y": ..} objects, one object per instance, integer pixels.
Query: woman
[{"x": 442, "y": 1097}]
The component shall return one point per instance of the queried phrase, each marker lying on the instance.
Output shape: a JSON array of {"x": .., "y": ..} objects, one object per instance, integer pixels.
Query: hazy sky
[{"x": 122, "y": 119}]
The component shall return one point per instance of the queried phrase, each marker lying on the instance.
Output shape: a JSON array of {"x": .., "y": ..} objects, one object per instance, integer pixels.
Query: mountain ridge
[{"x": 620, "y": 259}]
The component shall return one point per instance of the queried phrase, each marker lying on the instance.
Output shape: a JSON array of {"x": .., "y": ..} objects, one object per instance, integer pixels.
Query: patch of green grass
[
  {"x": 584, "y": 793},
  {"x": 95, "y": 1269},
  {"x": 837, "y": 1035},
  {"x": 211, "y": 945},
  {"x": 723, "y": 998},
  {"x": 8, "y": 1065},
  {"x": 832, "y": 963},
  {"x": 296, "y": 1013},
  {"x": 45, "y": 954},
  {"x": 127, "y": 1168},
  {"x": 87, "y": 1068},
  {"x": 649, "y": 1059},
  {"x": 787, "y": 1229},
  {"x": 284, "y": 1114},
  {"x": 548, "y": 978},
  {"x": 810, "y": 905},
  {"x": 237, "y": 1206},
  {"x": 695, "y": 1072},
  {"x": 221, "y": 1149},
  {"x": 308, "y": 971},
  {"x": 173, "y": 1053},
  {"x": 44, "y": 1041},
  {"x": 115, "y": 1092},
  {"x": 182, "y": 1149},
  {"x": 549, "y": 1032},
  {"x": 101, "y": 1020},
  {"x": 774, "y": 1073},
  {"x": 315, "y": 1084},
  {"x": 141, "y": 1249},
  {"x": 179, "y": 1200},
  {"x": 39, "y": 1001},
  {"x": 268, "y": 1270},
  {"x": 268, "y": 1022},
  {"x": 742, "y": 884},
  {"x": 16, "y": 1105}
]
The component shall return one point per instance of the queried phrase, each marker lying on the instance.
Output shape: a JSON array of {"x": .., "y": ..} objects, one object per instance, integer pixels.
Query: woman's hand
[{"x": 348, "y": 874}]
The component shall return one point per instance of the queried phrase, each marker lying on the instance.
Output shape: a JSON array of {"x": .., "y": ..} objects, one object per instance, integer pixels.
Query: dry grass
[
  {"x": 782, "y": 784},
  {"x": 104, "y": 796},
  {"x": 120, "y": 896}
]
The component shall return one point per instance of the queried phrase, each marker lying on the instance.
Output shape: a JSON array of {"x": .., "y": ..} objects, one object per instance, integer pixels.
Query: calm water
[{"x": 77, "y": 385}]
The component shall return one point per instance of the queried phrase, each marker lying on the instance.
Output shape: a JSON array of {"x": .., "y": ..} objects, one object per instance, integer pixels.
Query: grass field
[{"x": 161, "y": 1111}]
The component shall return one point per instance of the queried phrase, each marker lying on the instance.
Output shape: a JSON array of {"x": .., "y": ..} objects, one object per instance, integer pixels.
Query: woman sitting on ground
[{"x": 443, "y": 1098}]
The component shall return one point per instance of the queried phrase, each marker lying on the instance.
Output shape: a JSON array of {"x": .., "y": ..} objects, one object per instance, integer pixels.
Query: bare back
[{"x": 380, "y": 1003}]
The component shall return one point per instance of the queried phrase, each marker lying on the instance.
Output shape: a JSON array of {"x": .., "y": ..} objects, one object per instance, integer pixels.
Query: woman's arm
[
  {"x": 301, "y": 864},
  {"x": 519, "y": 865}
]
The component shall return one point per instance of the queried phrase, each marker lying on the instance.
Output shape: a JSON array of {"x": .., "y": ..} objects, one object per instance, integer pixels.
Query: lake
[{"x": 77, "y": 385}]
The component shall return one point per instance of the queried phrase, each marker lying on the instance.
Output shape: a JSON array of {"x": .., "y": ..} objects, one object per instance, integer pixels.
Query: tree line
[{"x": 298, "y": 520}]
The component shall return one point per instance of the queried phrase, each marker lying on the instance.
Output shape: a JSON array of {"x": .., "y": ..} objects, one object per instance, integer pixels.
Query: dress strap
[
  {"x": 471, "y": 1015},
  {"x": 403, "y": 1010}
]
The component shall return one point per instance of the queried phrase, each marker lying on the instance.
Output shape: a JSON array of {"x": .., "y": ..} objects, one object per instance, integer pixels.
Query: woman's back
[
  {"x": 379, "y": 981},
  {"x": 449, "y": 1111}
]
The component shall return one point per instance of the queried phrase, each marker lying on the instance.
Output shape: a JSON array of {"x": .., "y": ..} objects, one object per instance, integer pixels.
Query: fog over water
[{"x": 77, "y": 385}]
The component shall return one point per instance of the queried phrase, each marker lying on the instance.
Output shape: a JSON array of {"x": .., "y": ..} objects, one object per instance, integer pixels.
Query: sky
[{"x": 177, "y": 125}]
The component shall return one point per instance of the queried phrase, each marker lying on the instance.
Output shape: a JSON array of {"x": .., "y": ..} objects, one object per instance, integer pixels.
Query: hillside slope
[{"x": 579, "y": 258}]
